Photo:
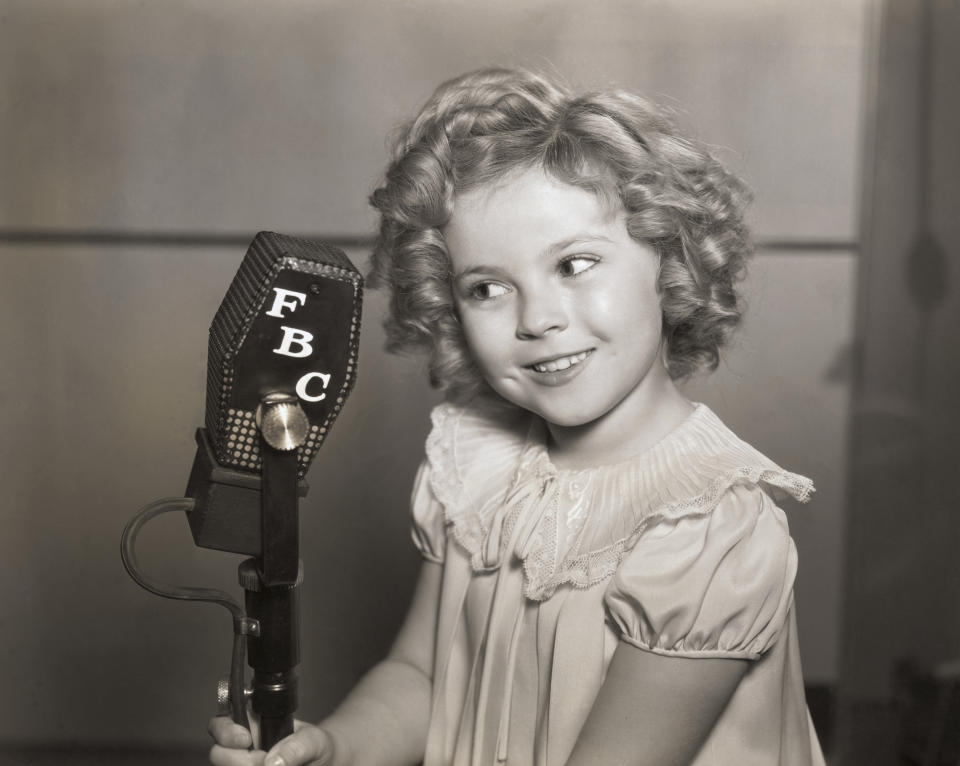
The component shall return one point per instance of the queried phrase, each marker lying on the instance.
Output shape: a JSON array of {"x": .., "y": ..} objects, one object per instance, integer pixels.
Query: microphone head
[{"x": 289, "y": 324}]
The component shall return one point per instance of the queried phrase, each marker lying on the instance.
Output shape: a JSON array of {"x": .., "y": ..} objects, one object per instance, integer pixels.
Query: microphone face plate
[{"x": 290, "y": 323}]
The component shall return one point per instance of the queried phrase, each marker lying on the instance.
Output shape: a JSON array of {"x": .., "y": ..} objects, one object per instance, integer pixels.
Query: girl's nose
[{"x": 540, "y": 314}]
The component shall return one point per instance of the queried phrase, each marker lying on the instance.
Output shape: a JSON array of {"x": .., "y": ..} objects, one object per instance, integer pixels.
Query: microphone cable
[{"x": 241, "y": 624}]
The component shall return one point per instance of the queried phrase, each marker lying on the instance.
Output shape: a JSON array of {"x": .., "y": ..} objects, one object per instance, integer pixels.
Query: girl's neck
[{"x": 629, "y": 429}]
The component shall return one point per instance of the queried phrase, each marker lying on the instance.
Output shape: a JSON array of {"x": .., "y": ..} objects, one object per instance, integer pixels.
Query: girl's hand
[
  {"x": 232, "y": 741},
  {"x": 307, "y": 745}
]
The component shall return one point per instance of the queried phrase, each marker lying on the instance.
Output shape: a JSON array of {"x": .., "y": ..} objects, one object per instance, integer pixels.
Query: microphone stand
[
  {"x": 268, "y": 630},
  {"x": 272, "y": 581}
]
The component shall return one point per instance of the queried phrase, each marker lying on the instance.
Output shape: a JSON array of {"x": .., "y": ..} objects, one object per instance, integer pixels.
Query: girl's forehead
[
  {"x": 529, "y": 215},
  {"x": 524, "y": 186}
]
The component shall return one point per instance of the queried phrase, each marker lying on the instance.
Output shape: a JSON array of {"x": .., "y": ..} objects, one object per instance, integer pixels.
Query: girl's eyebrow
[
  {"x": 481, "y": 269},
  {"x": 576, "y": 239},
  {"x": 551, "y": 249}
]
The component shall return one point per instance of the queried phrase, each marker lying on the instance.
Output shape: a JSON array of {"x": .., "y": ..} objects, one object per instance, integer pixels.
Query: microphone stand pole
[{"x": 272, "y": 580}]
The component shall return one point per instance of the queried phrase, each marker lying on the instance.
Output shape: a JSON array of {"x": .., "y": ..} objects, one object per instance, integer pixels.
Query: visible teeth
[{"x": 555, "y": 365}]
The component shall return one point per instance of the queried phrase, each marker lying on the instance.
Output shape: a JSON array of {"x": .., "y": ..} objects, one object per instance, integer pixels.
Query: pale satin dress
[{"x": 680, "y": 551}]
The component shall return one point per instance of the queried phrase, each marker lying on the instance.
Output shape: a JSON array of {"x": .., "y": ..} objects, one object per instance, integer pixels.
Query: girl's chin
[
  {"x": 556, "y": 410},
  {"x": 566, "y": 417}
]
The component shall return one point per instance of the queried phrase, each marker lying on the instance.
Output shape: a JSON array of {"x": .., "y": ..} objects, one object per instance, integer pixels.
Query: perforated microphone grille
[{"x": 245, "y": 362}]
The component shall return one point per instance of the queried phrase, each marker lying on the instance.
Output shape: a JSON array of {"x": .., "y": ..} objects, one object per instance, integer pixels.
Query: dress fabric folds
[{"x": 680, "y": 551}]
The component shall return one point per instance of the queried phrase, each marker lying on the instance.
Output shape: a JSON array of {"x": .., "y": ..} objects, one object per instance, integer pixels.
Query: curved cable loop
[
  {"x": 128, "y": 554},
  {"x": 210, "y": 595}
]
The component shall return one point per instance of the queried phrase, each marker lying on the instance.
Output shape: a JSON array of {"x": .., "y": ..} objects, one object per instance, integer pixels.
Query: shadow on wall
[{"x": 900, "y": 673}]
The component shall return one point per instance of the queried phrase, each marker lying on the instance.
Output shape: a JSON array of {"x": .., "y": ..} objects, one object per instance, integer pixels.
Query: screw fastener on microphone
[{"x": 282, "y": 421}]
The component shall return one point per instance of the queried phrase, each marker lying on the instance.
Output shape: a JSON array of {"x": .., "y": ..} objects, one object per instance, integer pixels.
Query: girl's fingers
[
  {"x": 228, "y": 756},
  {"x": 227, "y": 733},
  {"x": 307, "y": 745}
]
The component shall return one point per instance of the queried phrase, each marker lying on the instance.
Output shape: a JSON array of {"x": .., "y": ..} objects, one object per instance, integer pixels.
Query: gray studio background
[{"x": 143, "y": 144}]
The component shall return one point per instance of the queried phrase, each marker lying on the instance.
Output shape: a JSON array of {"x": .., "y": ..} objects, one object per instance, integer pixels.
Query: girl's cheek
[
  {"x": 484, "y": 322},
  {"x": 482, "y": 336}
]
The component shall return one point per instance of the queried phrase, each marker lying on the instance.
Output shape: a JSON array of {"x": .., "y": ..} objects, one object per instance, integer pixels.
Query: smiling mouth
[{"x": 561, "y": 363}]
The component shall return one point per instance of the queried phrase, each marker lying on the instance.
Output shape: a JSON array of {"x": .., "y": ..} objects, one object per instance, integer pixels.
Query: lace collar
[{"x": 491, "y": 471}]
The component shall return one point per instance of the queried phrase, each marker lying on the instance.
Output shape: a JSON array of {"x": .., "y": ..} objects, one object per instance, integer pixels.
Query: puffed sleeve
[
  {"x": 715, "y": 585},
  {"x": 428, "y": 525}
]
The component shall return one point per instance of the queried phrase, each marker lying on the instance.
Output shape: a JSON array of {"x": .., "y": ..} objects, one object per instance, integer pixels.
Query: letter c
[{"x": 302, "y": 386}]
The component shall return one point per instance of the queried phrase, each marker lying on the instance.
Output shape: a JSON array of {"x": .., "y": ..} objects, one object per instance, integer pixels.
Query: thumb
[{"x": 309, "y": 745}]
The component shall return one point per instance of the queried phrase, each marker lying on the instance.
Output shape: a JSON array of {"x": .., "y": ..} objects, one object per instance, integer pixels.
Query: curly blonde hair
[{"x": 485, "y": 125}]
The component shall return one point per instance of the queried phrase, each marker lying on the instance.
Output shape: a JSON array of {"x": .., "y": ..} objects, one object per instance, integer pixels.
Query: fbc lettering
[{"x": 296, "y": 344}]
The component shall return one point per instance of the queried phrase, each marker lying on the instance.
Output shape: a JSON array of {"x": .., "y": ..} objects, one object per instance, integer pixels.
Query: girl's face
[{"x": 558, "y": 303}]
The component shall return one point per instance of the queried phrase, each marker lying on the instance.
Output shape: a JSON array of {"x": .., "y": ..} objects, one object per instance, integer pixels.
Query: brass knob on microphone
[{"x": 282, "y": 421}]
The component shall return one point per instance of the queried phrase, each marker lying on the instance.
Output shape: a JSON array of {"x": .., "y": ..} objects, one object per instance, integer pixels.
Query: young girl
[{"x": 606, "y": 579}]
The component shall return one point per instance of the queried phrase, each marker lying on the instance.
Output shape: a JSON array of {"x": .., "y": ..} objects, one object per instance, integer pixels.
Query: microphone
[
  {"x": 282, "y": 360},
  {"x": 289, "y": 323}
]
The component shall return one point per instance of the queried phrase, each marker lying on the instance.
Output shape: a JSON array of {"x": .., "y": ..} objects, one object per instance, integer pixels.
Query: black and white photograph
[{"x": 448, "y": 383}]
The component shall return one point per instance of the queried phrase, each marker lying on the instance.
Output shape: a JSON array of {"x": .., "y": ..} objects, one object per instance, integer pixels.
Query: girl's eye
[
  {"x": 576, "y": 264},
  {"x": 483, "y": 291}
]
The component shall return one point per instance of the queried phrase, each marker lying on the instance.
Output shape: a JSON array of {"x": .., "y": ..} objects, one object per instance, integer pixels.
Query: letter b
[{"x": 291, "y": 336}]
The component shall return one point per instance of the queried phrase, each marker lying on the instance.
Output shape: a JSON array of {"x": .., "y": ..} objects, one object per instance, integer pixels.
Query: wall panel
[
  {"x": 221, "y": 118},
  {"x": 242, "y": 115}
]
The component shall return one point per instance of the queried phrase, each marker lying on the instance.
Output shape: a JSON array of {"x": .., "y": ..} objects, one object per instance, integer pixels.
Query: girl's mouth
[{"x": 561, "y": 363}]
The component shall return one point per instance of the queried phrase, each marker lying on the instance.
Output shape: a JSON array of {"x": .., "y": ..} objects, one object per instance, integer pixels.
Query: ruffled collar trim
[{"x": 492, "y": 474}]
